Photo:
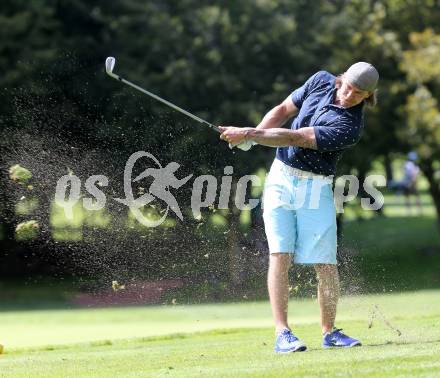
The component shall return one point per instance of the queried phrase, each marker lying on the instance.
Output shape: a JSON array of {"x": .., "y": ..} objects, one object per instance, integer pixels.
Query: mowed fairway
[{"x": 233, "y": 340}]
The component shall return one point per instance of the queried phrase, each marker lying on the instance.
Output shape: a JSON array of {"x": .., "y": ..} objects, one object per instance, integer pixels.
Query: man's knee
[
  {"x": 325, "y": 269},
  {"x": 326, "y": 273},
  {"x": 280, "y": 260}
]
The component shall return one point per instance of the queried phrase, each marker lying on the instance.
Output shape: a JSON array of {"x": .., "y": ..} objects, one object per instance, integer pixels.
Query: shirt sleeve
[
  {"x": 299, "y": 95},
  {"x": 338, "y": 137}
]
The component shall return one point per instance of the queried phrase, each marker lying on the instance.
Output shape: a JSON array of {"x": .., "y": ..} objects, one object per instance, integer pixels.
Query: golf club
[{"x": 110, "y": 65}]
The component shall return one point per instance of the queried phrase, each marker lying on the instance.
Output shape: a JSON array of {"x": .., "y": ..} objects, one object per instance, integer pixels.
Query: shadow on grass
[
  {"x": 403, "y": 342},
  {"x": 381, "y": 255}
]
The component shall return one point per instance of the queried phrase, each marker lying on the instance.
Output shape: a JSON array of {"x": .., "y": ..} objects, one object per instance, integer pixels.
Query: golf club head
[{"x": 110, "y": 64}]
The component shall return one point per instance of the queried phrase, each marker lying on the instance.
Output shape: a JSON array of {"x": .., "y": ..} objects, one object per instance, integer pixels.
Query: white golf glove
[{"x": 244, "y": 146}]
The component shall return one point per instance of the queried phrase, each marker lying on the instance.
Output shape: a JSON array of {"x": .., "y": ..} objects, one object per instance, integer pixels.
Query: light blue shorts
[{"x": 300, "y": 215}]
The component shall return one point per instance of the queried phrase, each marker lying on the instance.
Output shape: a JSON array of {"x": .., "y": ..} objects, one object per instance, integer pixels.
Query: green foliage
[
  {"x": 421, "y": 63},
  {"x": 228, "y": 62},
  {"x": 423, "y": 123},
  {"x": 422, "y": 66}
]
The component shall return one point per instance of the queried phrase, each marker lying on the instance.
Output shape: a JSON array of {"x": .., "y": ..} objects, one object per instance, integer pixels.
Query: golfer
[{"x": 299, "y": 211}]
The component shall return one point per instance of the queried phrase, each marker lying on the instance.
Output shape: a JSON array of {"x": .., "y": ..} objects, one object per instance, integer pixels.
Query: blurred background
[{"x": 228, "y": 62}]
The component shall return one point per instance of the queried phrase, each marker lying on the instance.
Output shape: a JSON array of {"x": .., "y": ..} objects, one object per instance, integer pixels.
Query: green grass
[
  {"x": 394, "y": 253},
  {"x": 224, "y": 340}
]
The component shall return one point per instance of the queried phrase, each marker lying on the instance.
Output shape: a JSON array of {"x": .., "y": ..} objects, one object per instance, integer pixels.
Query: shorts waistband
[{"x": 291, "y": 171}]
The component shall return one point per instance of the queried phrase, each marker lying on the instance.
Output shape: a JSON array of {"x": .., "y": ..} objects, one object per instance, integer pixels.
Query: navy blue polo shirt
[{"x": 336, "y": 128}]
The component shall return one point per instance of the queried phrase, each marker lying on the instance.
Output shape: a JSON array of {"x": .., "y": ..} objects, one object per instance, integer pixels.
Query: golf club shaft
[{"x": 175, "y": 107}]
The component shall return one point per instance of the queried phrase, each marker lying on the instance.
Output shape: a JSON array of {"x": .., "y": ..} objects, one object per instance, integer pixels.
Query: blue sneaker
[
  {"x": 287, "y": 342},
  {"x": 338, "y": 339}
]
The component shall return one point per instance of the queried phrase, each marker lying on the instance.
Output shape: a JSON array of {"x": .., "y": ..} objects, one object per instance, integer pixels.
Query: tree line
[{"x": 228, "y": 62}]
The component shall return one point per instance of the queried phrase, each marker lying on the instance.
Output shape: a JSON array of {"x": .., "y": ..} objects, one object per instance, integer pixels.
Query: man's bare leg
[
  {"x": 328, "y": 294},
  {"x": 278, "y": 286}
]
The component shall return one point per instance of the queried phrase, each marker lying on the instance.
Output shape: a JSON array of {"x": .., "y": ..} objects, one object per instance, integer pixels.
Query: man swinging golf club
[{"x": 300, "y": 220}]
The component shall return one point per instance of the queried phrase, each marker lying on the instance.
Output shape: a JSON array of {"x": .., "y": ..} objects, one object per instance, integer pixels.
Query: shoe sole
[
  {"x": 301, "y": 348},
  {"x": 355, "y": 344}
]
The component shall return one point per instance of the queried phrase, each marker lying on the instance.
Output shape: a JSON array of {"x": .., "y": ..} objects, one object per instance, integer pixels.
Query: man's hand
[{"x": 234, "y": 135}]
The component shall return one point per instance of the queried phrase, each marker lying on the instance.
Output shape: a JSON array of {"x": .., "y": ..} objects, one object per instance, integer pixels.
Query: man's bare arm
[
  {"x": 278, "y": 116},
  {"x": 270, "y": 133},
  {"x": 279, "y": 137}
]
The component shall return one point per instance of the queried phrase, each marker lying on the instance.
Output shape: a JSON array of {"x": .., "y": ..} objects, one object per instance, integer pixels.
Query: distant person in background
[{"x": 408, "y": 185}]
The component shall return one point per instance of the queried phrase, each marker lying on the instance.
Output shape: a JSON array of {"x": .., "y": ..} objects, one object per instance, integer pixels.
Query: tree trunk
[
  {"x": 235, "y": 252},
  {"x": 339, "y": 225},
  {"x": 234, "y": 244},
  {"x": 434, "y": 188},
  {"x": 388, "y": 168}
]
